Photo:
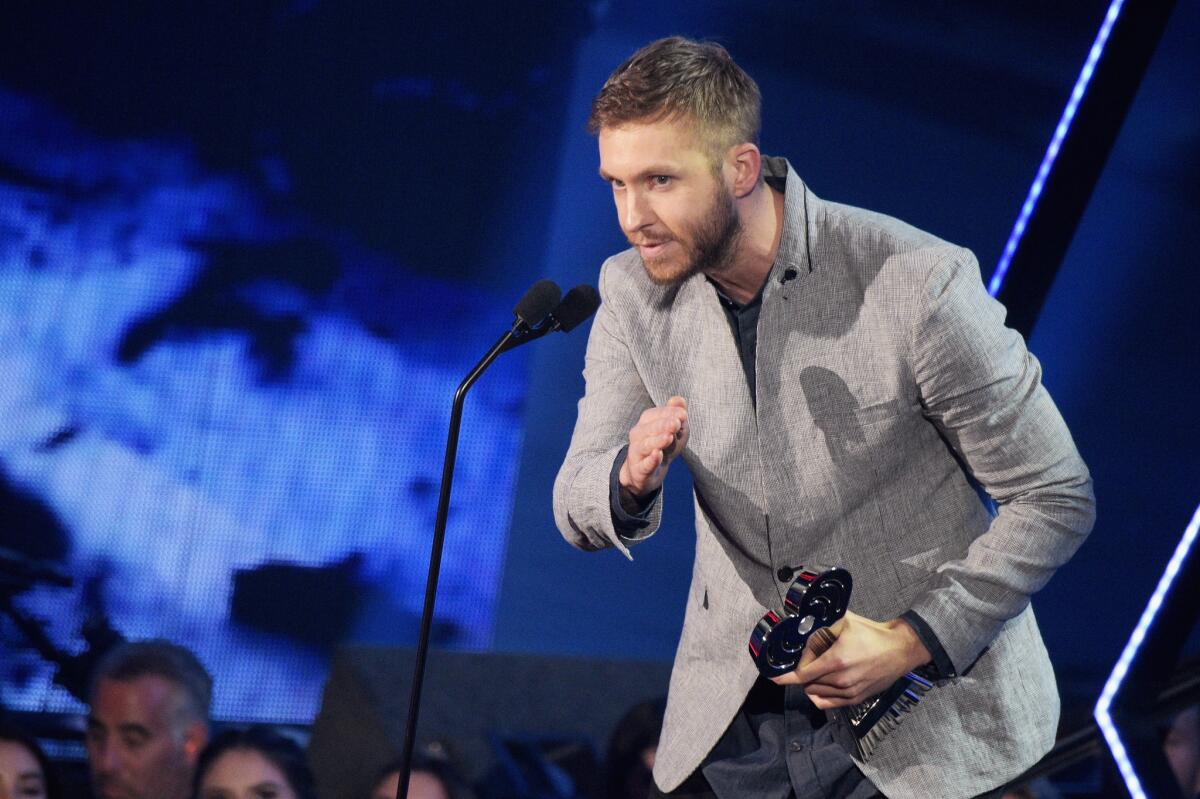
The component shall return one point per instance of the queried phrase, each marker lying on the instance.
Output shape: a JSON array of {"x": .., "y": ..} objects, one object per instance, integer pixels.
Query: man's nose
[
  {"x": 106, "y": 759},
  {"x": 636, "y": 213}
]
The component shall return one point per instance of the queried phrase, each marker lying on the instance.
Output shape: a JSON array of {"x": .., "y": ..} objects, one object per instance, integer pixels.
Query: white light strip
[
  {"x": 1060, "y": 133},
  {"x": 1103, "y": 706}
]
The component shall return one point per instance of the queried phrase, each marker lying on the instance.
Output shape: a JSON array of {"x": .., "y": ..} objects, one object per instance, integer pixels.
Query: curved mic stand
[{"x": 519, "y": 334}]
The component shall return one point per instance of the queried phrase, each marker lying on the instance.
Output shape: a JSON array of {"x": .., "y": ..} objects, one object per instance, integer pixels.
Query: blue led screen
[
  {"x": 230, "y": 331},
  {"x": 247, "y": 251}
]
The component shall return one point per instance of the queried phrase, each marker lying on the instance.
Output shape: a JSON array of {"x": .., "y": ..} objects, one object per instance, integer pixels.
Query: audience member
[
  {"x": 631, "y": 751},
  {"x": 430, "y": 778},
  {"x": 1182, "y": 747},
  {"x": 24, "y": 770},
  {"x": 1040, "y": 788},
  {"x": 255, "y": 763},
  {"x": 148, "y": 721}
]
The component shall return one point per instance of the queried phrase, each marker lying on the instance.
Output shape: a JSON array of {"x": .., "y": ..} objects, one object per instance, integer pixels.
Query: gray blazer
[{"x": 886, "y": 384}]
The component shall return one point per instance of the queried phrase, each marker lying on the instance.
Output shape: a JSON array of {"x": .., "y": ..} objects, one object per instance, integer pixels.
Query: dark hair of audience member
[
  {"x": 13, "y": 734},
  {"x": 1181, "y": 745},
  {"x": 129, "y": 661},
  {"x": 440, "y": 768},
  {"x": 636, "y": 735},
  {"x": 279, "y": 750}
]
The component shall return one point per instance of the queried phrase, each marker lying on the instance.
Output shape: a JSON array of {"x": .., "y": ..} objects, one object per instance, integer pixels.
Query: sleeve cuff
[
  {"x": 940, "y": 667},
  {"x": 625, "y": 522}
]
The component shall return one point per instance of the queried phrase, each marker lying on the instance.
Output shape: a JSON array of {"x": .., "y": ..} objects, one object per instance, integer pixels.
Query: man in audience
[{"x": 148, "y": 721}]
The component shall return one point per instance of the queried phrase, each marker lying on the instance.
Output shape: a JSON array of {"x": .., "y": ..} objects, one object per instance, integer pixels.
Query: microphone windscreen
[
  {"x": 538, "y": 302},
  {"x": 575, "y": 309}
]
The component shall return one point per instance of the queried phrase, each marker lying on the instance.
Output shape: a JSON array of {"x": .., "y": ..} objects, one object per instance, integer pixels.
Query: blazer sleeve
[
  {"x": 614, "y": 398},
  {"x": 982, "y": 389}
]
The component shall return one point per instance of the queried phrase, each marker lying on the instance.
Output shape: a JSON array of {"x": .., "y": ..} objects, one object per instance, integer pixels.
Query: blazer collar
[{"x": 793, "y": 262}]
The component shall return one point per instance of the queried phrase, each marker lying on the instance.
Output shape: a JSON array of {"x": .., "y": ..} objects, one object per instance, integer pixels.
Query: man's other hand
[
  {"x": 867, "y": 657},
  {"x": 656, "y": 440}
]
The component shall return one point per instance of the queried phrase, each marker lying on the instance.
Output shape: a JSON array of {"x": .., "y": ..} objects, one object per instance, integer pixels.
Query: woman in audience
[
  {"x": 431, "y": 778},
  {"x": 632, "y": 749},
  {"x": 24, "y": 770},
  {"x": 256, "y": 763}
]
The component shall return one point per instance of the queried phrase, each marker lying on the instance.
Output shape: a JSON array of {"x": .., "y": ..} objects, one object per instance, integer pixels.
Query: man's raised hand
[{"x": 656, "y": 440}]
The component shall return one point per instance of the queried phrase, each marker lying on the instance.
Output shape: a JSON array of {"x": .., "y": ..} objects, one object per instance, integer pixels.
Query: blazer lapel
[{"x": 723, "y": 453}]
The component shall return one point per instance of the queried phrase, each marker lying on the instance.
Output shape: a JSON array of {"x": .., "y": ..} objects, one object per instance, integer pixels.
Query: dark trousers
[
  {"x": 696, "y": 787},
  {"x": 752, "y": 757}
]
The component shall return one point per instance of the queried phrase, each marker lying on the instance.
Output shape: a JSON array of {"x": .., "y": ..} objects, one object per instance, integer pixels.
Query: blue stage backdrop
[
  {"x": 246, "y": 256},
  {"x": 247, "y": 250},
  {"x": 230, "y": 452}
]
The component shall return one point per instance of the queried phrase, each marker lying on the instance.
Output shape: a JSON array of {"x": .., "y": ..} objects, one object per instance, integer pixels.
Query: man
[
  {"x": 839, "y": 384},
  {"x": 148, "y": 721}
]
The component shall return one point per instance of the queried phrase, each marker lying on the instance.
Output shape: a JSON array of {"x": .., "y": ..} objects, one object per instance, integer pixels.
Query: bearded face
[
  {"x": 672, "y": 201},
  {"x": 704, "y": 245}
]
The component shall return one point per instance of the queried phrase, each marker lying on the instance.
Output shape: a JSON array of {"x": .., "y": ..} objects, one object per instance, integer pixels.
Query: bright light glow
[
  {"x": 1113, "y": 686},
  {"x": 1060, "y": 133}
]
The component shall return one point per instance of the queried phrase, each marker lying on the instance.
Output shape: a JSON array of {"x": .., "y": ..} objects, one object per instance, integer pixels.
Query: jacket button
[{"x": 785, "y": 573}]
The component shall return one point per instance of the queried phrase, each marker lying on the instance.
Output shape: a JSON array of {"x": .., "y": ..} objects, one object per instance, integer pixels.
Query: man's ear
[
  {"x": 195, "y": 738},
  {"x": 746, "y": 162}
]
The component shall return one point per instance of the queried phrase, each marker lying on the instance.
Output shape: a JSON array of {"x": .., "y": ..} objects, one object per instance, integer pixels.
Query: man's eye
[
  {"x": 661, "y": 180},
  {"x": 616, "y": 184}
]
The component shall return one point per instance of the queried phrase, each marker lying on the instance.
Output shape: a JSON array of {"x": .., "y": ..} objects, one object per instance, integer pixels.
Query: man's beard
[{"x": 714, "y": 241}]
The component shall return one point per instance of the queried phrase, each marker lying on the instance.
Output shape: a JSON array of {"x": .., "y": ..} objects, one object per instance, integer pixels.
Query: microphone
[
  {"x": 574, "y": 309},
  {"x": 532, "y": 309}
]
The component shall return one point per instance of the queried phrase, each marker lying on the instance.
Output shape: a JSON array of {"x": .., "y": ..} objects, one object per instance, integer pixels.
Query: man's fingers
[
  {"x": 841, "y": 690},
  {"x": 827, "y": 663},
  {"x": 662, "y": 435},
  {"x": 663, "y": 412},
  {"x": 677, "y": 442},
  {"x": 658, "y": 436},
  {"x": 647, "y": 464},
  {"x": 669, "y": 424},
  {"x": 654, "y": 443},
  {"x": 821, "y": 703},
  {"x": 827, "y": 702}
]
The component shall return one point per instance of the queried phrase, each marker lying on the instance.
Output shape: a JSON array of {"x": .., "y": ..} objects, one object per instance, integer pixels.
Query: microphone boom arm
[
  {"x": 506, "y": 341},
  {"x": 542, "y": 310}
]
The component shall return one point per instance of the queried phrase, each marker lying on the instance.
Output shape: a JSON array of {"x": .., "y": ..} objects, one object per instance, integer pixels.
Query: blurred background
[{"x": 247, "y": 251}]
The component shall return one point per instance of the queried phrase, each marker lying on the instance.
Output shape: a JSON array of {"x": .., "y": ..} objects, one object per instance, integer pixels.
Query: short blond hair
[{"x": 683, "y": 79}]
